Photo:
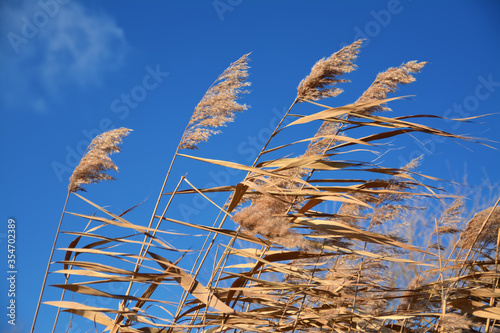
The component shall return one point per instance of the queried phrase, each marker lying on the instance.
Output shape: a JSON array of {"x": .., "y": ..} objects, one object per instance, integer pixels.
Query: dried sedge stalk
[
  {"x": 218, "y": 105},
  {"x": 96, "y": 162},
  {"x": 387, "y": 82},
  {"x": 326, "y": 72}
]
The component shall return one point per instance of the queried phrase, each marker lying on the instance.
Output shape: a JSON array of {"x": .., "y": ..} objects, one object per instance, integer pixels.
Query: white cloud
[{"x": 52, "y": 45}]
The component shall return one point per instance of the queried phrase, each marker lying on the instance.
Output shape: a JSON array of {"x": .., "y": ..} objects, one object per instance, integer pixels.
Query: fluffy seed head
[
  {"x": 387, "y": 82},
  {"x": 263, "y": 218},
  {"x": 95, "y": 162},
  {"x": 450, "y": 220},
  {"x": 326, "y": 73},
  {"x": 488, "y": 234},
  {"x": 266, "y": 214},
  {"x": 452, "y": 322},
  {"x": 218, "y": 105}
]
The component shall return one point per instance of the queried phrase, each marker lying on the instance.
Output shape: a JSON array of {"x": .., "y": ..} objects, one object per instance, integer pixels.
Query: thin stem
[
  {"x": 119, "y": 317},
  {"x": 477, "y": 236},
  {"x": 195, "y": 265},
  {"x": 48, "y": 263},
  {"x": 265, "y": 248},
  {"x": 138, "y": 264},
  {"x": 222, "y": 262},
  {"x": 443, "y": 296},
  {"x": 59, "y": 309},
  {"x": 274, "y": 132}
]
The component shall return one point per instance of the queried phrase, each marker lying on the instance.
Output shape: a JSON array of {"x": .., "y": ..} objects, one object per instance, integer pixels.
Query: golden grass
[{"x": 293, "y": 264}]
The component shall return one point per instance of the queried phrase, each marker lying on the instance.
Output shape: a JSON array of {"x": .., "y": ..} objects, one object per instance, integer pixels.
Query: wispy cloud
[{"x": 49, "y": 46}]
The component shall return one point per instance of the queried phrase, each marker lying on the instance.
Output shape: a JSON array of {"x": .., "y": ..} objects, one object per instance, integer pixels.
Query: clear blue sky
[{"x": 66, "y": 78}]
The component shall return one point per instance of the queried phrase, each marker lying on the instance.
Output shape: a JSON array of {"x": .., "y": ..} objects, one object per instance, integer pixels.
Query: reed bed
[{"x": 320, "y": 241}]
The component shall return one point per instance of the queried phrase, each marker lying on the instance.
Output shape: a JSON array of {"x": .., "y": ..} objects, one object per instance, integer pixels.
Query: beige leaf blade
[
  {"x": 341, "y": 110},
  {"x": 477, "y": 308},
  {"x": 85, "y": 290},
  {"x": 237, "y": 196},
  {"x": 100, "y": 318},
  {"x": 79, "y": 306},
  {"x": 313, "y": 162},
  {"x": 225, "y": 232},
  {"x": 193, "y": 287},
  {"x": 245, "y": 168},
  {"x": 350, "y": 232},
  {"x": 129, "y": 226}
]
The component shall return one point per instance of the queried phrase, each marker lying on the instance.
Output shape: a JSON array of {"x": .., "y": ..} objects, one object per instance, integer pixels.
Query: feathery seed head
[
  {"x": 450, "y": 220},
  {"x": 265, "y": 215},
  {"x": 453, "y": 322},
  {"x": 262, "y": 218},
  {"x": 489, "y": 233},
  {"x": 326, "y": 72},
  {"x": 95, "y": 162},
  {"x": 387, "y": 82},
  {"x": 218, "y": 105}
]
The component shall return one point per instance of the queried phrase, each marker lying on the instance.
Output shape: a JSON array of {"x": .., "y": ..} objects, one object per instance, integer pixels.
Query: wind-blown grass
[
  {"x": 293, "y": 264},
  {"x": 218, "y": 105}
]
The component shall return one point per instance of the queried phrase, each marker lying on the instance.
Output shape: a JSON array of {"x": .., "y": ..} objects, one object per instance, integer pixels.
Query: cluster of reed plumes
[{"x": 319, "y": 240}]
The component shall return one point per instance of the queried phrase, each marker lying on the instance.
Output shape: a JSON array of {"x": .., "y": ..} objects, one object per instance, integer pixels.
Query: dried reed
[
  {"x": 320, "y": 83},
  {"x": 489, "y": 233},
  {"x": 95, "y": 162},
  {"x": 262, "y": 216},
  {"x": 265, "y": 215},
  {"x": 384, "y": 83},
  {"x": 387, "y": 82},
  {"x": 218, "y": 105},
  {"x": 451, "y": 219},
  {"x": 333, "y": 266}
]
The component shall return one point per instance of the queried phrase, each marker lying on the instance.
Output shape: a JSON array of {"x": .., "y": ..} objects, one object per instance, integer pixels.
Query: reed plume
[
  {"x": 218, "y": 105},
  {"x": 95, "y": 162},
  {"x": 452, "y": 322},
  {"x": 451, "y": 219},
  {"x": 487, "y": 236},
  {"x": 387, "y": 82},
  {"x": 265, "y": 215},
  {"x": 326, "y": 73},
  {"x": 262, "y": 216}
]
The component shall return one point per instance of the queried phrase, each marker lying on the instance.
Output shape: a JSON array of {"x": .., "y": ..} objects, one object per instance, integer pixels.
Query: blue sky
[{"x": 68, "y": 67}]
